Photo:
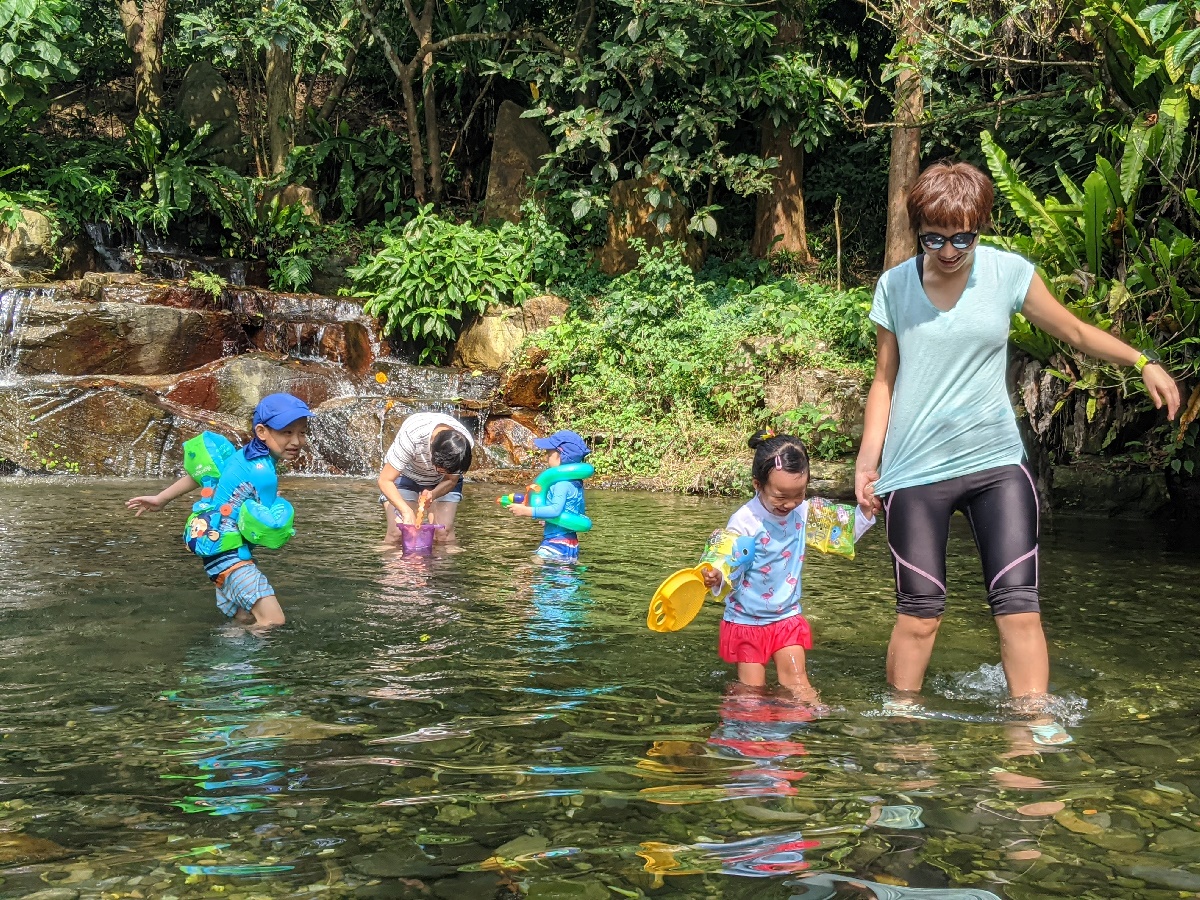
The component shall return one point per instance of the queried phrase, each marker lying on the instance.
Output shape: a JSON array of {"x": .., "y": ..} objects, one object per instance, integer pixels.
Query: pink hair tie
[{"x": 778, "y": 462}]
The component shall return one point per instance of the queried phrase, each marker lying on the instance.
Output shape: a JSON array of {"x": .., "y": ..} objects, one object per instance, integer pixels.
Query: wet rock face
[
  {"x": 513, "y": 437},
  {"x": 28, "y": 248},
  {"x": 844, "y": 397},
  {"x": 96, "y": 428},
  {"x": 122, "y": 324},
  {"x": 517, "y": 150},
  {"x": 109, "y": 375},
  {"x": 633, "y": 216},
  {"x": 122, "y": 338},
  {"x": 1089, "y": 487},
  {"x": 527, "y": 388}
]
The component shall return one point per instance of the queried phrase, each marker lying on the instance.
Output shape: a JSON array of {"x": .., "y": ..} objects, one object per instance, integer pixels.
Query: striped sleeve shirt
[{"x": 410, "y": 453}]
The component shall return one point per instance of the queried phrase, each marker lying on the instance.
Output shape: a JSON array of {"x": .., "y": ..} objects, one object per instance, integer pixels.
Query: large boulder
[
  {"x": 633, "y": 216},
  {"x": 78, "y": 338},
  {"x": 491, "y": 342},
  {"x": 240, "y": 382},
  {"x": 512, "y": 437},
  {"x": 97, "y": 428},
  {"x": 517, "y": 150},
  {"x": 304, "y": 198},
  {"x": 27, "y": 249},
  {"x": 205, "y": 99},
  {"x": 527, "y": 387},
  {"x": 1089, "y": 486},
  {"x": 842, "y": 396}
]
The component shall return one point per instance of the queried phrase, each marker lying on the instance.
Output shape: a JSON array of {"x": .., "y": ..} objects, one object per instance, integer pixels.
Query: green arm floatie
[
  {"x": 205, "y": 455},
  {"x": 266, "y": 526}
]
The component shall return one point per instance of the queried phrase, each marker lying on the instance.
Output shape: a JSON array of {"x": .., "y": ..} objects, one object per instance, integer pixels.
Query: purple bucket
[{"x": 418, "y": 538}]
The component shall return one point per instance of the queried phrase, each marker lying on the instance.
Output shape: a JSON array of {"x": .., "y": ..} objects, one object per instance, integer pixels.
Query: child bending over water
[
  {"x": 243, "y": 592},
  {"x": 763, "y": 619}
]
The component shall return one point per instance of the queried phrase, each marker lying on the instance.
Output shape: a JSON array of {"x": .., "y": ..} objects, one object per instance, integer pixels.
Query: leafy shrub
[
  {"x": 818, "y": 429},
  {"x": 358, "y": 175},
  {"x": 433, "y": 273},
  {"x": 209, "y": 282},
  {"x": 665, "y": 370}
]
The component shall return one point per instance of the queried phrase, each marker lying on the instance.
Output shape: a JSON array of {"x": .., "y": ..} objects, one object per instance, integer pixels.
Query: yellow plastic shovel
[{"x": 678, "y": 600}]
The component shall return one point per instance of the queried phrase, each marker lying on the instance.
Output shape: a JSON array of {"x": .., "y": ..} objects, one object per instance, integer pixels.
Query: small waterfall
[
  {"x": 14, "y": 304},
  {"x": 101, "y": 237}
]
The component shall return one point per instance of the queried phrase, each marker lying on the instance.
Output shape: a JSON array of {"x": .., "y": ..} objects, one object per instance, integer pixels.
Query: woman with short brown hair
[{"x": 940, "y": 432}]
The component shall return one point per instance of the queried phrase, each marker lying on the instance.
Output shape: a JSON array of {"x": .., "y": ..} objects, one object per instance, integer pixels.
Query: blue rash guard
[{"x": 565, "y": 496}]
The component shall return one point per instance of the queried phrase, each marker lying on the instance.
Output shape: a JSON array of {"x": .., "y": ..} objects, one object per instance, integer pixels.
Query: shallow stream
[{"x": 472, "y": 725}]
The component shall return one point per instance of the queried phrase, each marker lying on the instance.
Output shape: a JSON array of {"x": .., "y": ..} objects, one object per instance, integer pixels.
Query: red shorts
[{"x": 758, "y": 643}]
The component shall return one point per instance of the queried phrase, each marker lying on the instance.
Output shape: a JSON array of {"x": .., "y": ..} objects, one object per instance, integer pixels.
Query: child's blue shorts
[
  {"x": 559, "y": 549},
  {"x": 240, "y": 587}
]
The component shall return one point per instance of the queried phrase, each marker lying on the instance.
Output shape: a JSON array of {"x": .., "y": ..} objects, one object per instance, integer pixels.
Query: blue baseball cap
[
  {"x": 280, "y": 410},
  {"x": 569, "y": 445}
]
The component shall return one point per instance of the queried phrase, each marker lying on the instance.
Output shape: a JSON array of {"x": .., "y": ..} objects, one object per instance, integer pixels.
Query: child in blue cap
[
  {"x": 240, "y": 506},
  {"x": 559, "y": 544}
]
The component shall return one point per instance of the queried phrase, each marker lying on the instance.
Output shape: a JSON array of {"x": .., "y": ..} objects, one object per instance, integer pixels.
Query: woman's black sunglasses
[{"x": 960, "y": 241}]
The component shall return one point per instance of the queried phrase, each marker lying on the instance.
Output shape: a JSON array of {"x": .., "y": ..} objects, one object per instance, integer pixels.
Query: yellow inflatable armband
[{"x": 830, "y": 527}]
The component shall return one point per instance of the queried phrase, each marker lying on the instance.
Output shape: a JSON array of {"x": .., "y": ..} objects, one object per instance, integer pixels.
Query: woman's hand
[
  {"x": 140, "y": 505},
  {"x": 1161, "y": 387},
  {"x": 864, "y": 489}
]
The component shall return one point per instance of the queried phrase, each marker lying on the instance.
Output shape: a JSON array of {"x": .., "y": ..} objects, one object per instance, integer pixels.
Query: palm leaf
[{"x": 1025, "y": 203}]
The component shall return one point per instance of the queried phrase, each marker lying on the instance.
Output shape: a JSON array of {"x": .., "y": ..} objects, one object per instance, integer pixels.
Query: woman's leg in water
[
  {"x": 918, "y": 526},
  {"x": 1003, "y": 510},
  {"x": 443, "y": 512}
]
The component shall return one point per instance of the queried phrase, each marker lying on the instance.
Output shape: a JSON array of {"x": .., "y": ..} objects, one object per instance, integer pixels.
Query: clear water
[{"x": 475, "y": 726}]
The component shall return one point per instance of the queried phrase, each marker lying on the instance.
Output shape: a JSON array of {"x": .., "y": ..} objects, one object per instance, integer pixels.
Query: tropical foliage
[
  {"x": 432, "y": 273},
  {"x": 1084, "y": 112}
]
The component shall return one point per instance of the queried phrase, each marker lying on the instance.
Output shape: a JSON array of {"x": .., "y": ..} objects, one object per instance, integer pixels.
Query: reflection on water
[{"x": 480, "y": 725}]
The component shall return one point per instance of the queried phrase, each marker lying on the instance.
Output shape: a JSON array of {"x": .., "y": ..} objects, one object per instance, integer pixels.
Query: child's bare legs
[
  {"x": 790, "y": 669},
  {"x": 266, "y": 613},
  {"x": 792, "y": 674},
  {"x": 752, "y": 674}
]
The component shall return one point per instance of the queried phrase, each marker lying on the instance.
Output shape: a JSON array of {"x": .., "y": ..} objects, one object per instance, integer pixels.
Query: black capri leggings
[{"x": 1002, "y": 506}]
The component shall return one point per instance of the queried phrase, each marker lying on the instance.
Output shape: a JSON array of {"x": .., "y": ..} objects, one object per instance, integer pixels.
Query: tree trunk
[
  {"x": 143, "y": 27},
  {"x": 781, "y": 210},
  {"x": 414, "y": 138},
  {"x": 281, "y": 103},
  {"x": 585, "y": 46},
  {"x": 433, "y": 140},
  {"x": 404, "y": 72},
  {"x": 339, "y": 84},
  {"x": 905, "y": 163}
]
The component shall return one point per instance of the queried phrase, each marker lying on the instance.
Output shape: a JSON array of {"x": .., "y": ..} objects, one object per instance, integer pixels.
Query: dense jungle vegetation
[{"x": 780, "y": 136}]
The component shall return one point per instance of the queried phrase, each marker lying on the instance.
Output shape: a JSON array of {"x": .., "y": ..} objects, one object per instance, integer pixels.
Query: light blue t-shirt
[{"x": 951, "y": 414}]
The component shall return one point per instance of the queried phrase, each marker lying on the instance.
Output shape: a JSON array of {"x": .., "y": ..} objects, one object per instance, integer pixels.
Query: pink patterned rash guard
[{"x": 767, "y": 590}]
